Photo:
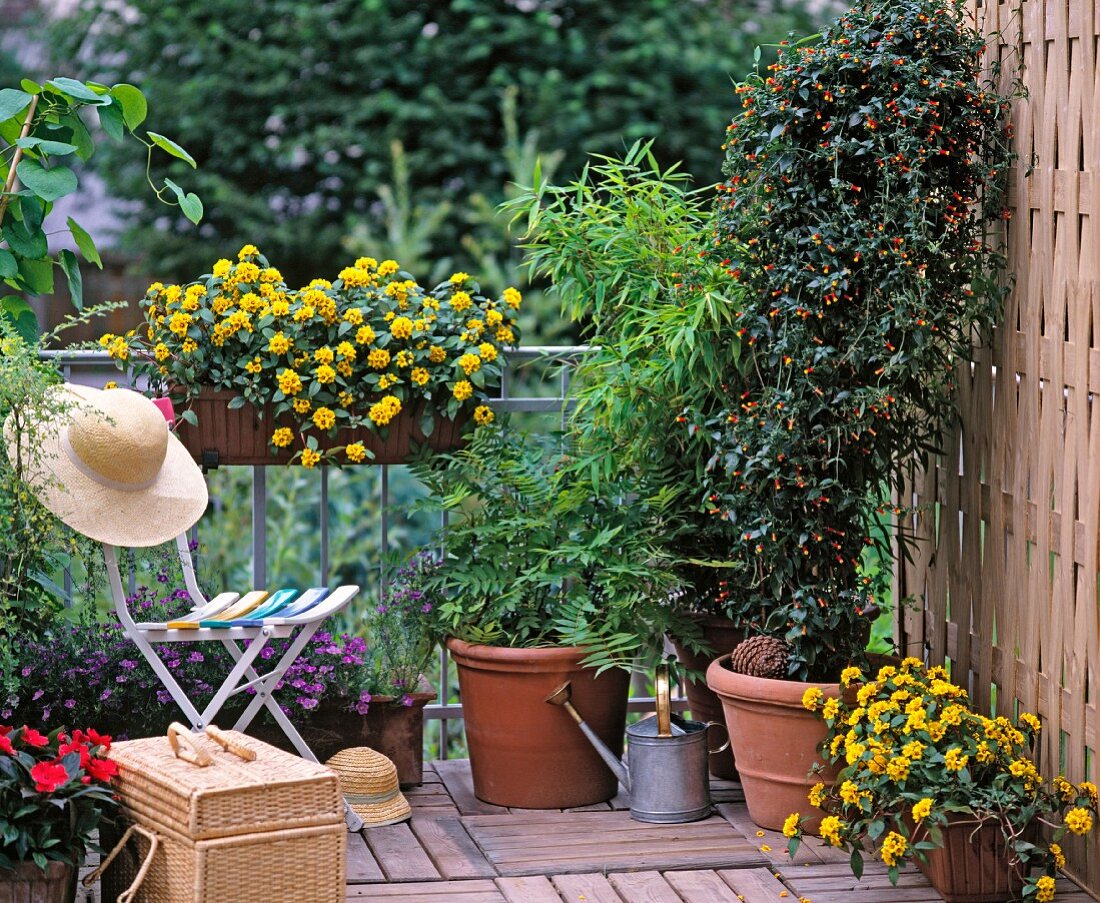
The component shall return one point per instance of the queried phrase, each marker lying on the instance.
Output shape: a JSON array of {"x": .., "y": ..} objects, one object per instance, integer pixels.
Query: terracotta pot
[
  {"x": 721, "y": 635},
  {"x": 974, "y": 865},
  {"x": 524, "y": 752},
  {"x": 775, "y": 742},
  {"x": 396, "y": 731},
  {"x": 241, "y": 436},
  {"x": 30, "y": 884}
]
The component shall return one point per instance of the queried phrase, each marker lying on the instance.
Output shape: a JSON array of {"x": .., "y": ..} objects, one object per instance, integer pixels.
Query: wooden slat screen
[{"x": 1005, "y": 569}]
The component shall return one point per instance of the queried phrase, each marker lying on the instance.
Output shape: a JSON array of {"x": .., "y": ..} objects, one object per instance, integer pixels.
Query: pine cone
[{"x": 761, "y": 656}]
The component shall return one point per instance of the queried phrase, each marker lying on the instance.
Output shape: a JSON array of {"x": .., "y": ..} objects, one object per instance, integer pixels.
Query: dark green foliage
[
  {"x": 860, "y": 220},
  {"x": 537, "y": 557},
  {"x": 291, "y": 107}
]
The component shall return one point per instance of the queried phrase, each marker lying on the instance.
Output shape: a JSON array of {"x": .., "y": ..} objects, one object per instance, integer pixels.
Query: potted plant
[
  {"x": 859, "y": 217},
  {"x": 621, "y": 248},
  {"x": 922, "y": 776},
  {"x": 544, "y": 581},
  {"x": 346, "y": 371},
  {"x": 53, "y": 793}
]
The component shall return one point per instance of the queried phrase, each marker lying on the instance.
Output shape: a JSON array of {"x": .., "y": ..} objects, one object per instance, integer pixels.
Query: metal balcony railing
[{"x": 540, "y": 373}]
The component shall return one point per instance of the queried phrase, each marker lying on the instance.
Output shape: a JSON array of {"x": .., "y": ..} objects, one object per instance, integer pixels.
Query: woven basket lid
[{"x": 368, "y": 781}]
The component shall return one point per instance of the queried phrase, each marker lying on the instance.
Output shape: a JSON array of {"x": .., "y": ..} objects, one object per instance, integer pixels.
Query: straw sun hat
[
  {"x": 368, "y": 781},
  {"x": 110, "y": 469}
]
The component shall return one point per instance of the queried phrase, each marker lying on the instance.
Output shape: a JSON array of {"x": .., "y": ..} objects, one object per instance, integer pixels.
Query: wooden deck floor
[{"x": 457, "y": 848}]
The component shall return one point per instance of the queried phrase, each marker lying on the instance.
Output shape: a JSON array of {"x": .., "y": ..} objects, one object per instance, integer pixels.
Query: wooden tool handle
[
  {"x": 190, "y": 751},
  {"x": 230, "y": 745}
]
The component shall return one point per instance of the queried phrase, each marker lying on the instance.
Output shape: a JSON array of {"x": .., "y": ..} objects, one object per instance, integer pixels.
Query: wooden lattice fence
[{"x": 1005, "y": 570}]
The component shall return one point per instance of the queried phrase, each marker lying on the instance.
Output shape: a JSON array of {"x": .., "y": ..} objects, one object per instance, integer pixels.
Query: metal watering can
[{"x": 666, "y": 775}]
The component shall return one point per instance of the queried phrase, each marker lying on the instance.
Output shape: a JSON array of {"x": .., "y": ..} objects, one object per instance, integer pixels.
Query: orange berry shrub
[
  {"x": 860, "y": 218},
  {"x": 356, "y": 351}
]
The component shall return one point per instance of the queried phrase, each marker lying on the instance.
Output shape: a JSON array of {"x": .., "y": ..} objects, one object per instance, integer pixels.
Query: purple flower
[
  {"x": 128, "y": 664},
  {"x": 306, "y": 702},
  {"x": 406, "y": 700},
  {"x": 195, "y": 657},
  {"x": 164, "y": 697},
  {"x": 38, "y": 694},
  {"x": 70, "y": 703}
]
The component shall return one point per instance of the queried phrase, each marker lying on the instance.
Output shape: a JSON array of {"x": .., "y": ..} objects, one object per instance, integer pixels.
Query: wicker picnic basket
[{"x": 252, "y": 823}]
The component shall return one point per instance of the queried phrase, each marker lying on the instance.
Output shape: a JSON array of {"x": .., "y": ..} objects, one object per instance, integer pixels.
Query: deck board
[{"x": 458, "y": 849}]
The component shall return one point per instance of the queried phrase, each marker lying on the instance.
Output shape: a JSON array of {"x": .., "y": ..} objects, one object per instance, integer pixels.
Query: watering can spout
[{"x": 561, "y": 696}]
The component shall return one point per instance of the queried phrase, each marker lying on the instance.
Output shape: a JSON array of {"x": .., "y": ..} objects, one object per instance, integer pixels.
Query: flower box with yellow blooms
[
  {"x": 925, "y": 777},
  {"x": 353, "y": 370}
]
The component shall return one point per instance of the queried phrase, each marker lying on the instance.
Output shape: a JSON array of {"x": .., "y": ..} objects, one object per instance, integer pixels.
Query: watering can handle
[
  {"x": 664, "y": 703},
  {"x": 725, "y": 745}
]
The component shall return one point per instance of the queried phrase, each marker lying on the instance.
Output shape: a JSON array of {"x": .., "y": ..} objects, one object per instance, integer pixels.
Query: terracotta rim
[
  {"x": 513, "y": 658},
  {"x": 727, "y": 682}
]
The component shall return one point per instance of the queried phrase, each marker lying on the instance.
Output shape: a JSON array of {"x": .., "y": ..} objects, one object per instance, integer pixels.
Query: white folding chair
[{"x": 232, "y": 619}]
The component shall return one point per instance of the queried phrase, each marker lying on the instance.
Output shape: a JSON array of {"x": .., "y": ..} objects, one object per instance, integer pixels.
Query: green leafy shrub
[
  {"x": 859, "y": 218},
  {"x": 537, "y": 557}
]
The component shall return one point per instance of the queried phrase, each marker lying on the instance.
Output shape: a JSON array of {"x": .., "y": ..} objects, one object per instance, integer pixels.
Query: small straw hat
[
  {"x": 368, "y": 781},
  {"x": 110, "y": 469}
]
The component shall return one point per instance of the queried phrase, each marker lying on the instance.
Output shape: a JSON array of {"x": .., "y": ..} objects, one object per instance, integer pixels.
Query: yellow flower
[
  {"x": 354, "y": 316},
  {"x": 302, "y": 405},
  {"x": 364, "y": 335},
  {"x": 356, "y": 452},
  {"x": 323, "y": 355},
  {"x": 488, "y": 352},
  {"x": 325, "y": 374},
  {"x": 1044, "y": 889},
  {"x": 323, "y": 418},
  {"x": 460, "y": 301},
  {"x": 831, "y": 709},
  {"x": 893, "y": 848},
  {"x": 463, "y": 390},
  {"x": 401, "y": 328},
  {"x": 952, "y": 715},
  {"x": 180, "y": 323},
  {"x": 110, "y": 384},
  {"x": 248, "y": 251},
  {"x": 1065, "y": 789},
  {"x": 854, "y": 752},
  {"x": 366, "y": 263},
  {"x": 848, "y": 674},
  {"x": 984, "y": 754},
  {"x": 1031, "y": 721},
  {"x": 914, "y": 749},
  {"x": 790, "y": 826},
  {"x": 160, "y": 351},
  {"x": 922, "y": 809},
  {"x": 849, "y": 793},
  {"x": 811, "y": 699},
  {"x": 505, "y": 336},
  {"x": 282, "y": 437},
  {"x": 386, "y": 380},
  {"x": 483, "y": 415},
  {"x": 1089, "y": 789},
  {"x": 254, "y": 365},
  {"x": 356, "y": 277},
  {"x": 271, "y": 275},
  {"x": 512, "y": 298},
  {"x": 436, "y": 354},
  {"x": 1059, "y": 856},
  {"x": 954, "y": 760},
  {"x": 289, "y": 382},
  {"x": 279, "y": 344},
  {"x": 403, "y": 358},
  {"x": 419, "y": 376},
  {"x": 248, "y": 272},
  {"x": 310, "y": 458},
  {"x": 189, "y": 345},
  {"x": 156, "y": 288},
  {"x": 470, "y": 363},
  {"x": 347, "y": 351},
  {"x": 936, "y": 731},
  {"x": 898, "y": 769},
  {"x": 388, "y": 267},
  {"x": 459, "y": 278},
  {"x": 1079, "y": 820},
  {"x": 280, "y": 307},
  {"x": 379, "y": 358},
  {"x": 830, "y": 830},
  {"x": 385, "y": 410}
]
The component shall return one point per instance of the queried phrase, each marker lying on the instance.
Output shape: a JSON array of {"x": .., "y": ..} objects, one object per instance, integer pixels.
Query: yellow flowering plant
[
  {"x": 333, "y": 356},
  {"x": 915, "y": 755}
]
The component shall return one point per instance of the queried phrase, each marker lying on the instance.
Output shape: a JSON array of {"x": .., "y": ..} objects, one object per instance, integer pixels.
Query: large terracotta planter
[
  {"x": 30, "y": 884},
  {"x": 524, "y": 752},
  {"x": 974, "y": 865},
  {"x": 395, "y": 730},
  {"x": 722, "y": 635},
  {"x": 240, "y": 436},
  {"x": 775, "y": 742}
]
